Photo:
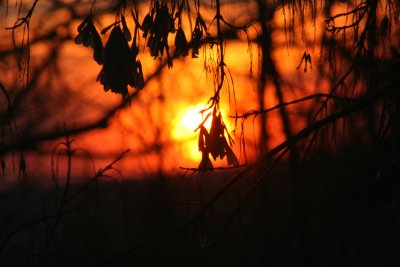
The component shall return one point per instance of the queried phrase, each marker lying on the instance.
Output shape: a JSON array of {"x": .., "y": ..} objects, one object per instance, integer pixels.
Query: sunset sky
[
  {"x": 199, "y": 133},
  {"x": 159, "y": 125}
]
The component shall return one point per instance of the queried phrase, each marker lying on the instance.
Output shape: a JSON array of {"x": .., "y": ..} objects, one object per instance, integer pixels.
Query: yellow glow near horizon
[
  {"x": 187, "y": 121},
  {"x": 184, "y": 125}
]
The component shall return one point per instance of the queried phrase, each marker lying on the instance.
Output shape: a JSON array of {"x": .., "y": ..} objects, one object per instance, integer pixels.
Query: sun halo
[{"x": 183, "y": 131}]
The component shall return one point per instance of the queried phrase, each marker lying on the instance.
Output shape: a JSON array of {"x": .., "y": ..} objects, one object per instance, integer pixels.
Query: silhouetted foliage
[
  {"x": 88, "y": 36},
  {"x": 322, "y": 187}
]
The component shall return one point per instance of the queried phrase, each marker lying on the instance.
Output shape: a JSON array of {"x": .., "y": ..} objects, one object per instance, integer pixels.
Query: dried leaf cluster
[
  {"x": 121, "y": 66},
  {"x": 215, "y": 143}
]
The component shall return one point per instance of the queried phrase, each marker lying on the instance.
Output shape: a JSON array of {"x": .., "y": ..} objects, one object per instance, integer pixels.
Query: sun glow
[
  {"x": 187, "y": 121},
  {"x": 183, "y": 131}
]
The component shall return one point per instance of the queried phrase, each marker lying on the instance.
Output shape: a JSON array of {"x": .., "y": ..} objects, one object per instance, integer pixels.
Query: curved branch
[
  {"x": 25, "y": 19},
  {"x": 278, "y": 106},
  {"x": 282, "y": 148},
  {"x": 32, "y": 142}
]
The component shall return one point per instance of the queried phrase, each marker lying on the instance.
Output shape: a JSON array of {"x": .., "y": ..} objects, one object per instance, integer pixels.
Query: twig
[
  {"x": 282, "y": 148},
  {"x": 211, "y": 169},
  {"x": 310, "y": 97},
  {"x": 100, "y": 123},
  {"x": 99, "y": 174},
  {"x": 25, "y": 19},
  {"x": 243, "y": 27},
  {"x": 58, "y": 216},
  {"x": 243, "y": 201}
]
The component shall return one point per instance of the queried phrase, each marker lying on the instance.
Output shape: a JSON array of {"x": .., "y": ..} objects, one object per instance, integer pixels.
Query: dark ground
[{"x": 343, "y": 210}]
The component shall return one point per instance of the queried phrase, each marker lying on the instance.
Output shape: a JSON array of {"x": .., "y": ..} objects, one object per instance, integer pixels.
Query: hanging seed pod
[
  {"x": 106, "y": 29},
  {"x": 98, "y": 53},
  {"x": 153, "y": 45},
  {"x": 169, "y": 58},
  {"x": 134, "y": 50},
  {"x": 231, "y": 157},
  {"x": 125, "y": 30},
  {"x": 196, "y": 38},
  {"x": 147, "y": 24},
  {"x": 117, "y": 68},
  {"x": 198, "y": 32},
  {"x": 163, "y": 21},
  {"x": 88, "y": 36},
  {"x": 217, "y": 140},
  {"x": 215, "y": 143},
  {"x": 83, "y": 36},
  {"x": 181, "y": 44},
  {"x": 203, "y": 136},
  {"x": 159, "y": 29},
  {"x": 137, "y": 78},
  {"x": 205, "y": 163}
]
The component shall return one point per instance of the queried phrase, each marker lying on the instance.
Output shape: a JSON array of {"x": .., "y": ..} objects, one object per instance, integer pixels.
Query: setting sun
[
  {"x": 212, "y": 132},
  {"x": 183, "y": 131},
  {"x": 187, "y": 121},
  {"x": 184, "y": 128}
]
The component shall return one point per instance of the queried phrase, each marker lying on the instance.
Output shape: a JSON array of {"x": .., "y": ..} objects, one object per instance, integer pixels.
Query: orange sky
[{"x": 166, "y": 111}]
